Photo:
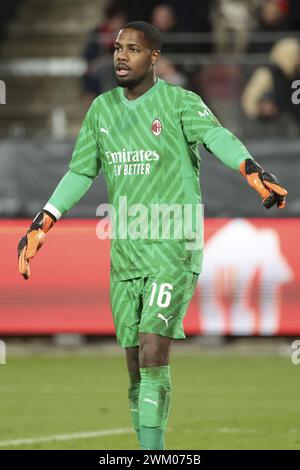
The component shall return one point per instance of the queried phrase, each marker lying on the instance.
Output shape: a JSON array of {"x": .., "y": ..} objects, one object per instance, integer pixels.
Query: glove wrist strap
[{"x": 43, "y": 221}]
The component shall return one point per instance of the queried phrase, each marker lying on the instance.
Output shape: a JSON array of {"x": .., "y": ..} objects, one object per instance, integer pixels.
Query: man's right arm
[
  {"x": 68, "y": 192},
  {"x": 83, "y": 169}
]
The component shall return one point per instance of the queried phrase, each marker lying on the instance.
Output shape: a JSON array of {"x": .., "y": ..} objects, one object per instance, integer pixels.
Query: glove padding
[
  {"x": 33, "y": 240},
  {"x": 266, "y": 184}
]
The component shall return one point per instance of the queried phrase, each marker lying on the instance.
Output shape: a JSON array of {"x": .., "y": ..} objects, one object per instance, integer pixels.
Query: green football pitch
[{"x": 219, "y": 402}]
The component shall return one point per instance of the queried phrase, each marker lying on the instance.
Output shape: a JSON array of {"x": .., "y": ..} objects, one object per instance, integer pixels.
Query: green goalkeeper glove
[
  {"x": 266, "y": 184},
  {"x": 33, "y": 240}
]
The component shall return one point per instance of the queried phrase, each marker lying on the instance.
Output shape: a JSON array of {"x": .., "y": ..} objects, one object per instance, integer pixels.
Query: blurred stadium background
[{"x": 64, "y": 374}]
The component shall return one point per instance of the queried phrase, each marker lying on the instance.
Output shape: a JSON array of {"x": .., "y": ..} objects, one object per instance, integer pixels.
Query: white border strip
[
  {"x": 49, "y": 207},
  {"x": 65, "y": 437}
]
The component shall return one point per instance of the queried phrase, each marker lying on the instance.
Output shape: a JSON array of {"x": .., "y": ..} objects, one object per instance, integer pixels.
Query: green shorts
[{"x": 153, "y": 304}]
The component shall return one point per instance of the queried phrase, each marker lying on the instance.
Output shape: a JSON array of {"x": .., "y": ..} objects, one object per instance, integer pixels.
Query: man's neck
[{"x": 140, "y": 89}]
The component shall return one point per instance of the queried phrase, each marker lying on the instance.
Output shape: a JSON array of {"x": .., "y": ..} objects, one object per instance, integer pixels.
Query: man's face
[{"x": 133, "y": 58}]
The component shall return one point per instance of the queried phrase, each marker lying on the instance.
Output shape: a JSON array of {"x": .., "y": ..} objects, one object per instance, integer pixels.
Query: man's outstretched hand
[
  {"x": 33, "y": 240},
  {"x": 266, "y": 184}
]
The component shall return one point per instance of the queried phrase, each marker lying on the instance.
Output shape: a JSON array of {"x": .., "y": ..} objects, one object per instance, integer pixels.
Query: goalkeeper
[{"x": 144, "y": 136}]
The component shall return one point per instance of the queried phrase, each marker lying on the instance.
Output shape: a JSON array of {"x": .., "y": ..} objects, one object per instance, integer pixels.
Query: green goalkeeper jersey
[{"x": 147, "y": 149}]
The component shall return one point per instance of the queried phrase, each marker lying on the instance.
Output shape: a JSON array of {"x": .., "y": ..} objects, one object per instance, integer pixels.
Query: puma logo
[
  {"x": 147, "y": 400},
  {"x": 106, "y": 131},
  {"x": 160, "y": 315}
]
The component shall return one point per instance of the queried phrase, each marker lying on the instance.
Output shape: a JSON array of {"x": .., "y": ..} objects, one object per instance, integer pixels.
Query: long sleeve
[
  {"x": 200, "y": 126},
  {"x": 226, "y": 147},
  {"x": 71, "y": 188},
  {"x": 83, "y": 168}
]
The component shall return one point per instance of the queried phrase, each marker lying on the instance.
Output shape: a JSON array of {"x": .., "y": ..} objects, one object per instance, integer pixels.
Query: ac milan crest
[{"x": 156, "y": 127}]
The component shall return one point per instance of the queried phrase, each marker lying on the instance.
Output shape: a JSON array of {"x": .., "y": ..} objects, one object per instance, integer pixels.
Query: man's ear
[{"x": 155, "y": 57}]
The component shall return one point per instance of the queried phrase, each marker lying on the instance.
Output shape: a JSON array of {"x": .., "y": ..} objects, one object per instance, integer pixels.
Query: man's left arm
[
  {"x": 232, "y": 152},
  {"x": 202, "y": 127}
]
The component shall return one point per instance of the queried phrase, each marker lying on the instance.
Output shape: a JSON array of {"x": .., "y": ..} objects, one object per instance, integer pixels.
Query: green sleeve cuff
[
  {"x": 69, "y": 191},
  {"x": 225, "y": 146}
]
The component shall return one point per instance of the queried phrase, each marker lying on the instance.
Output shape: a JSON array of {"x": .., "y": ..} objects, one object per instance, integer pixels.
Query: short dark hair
[{"x": 151, "y": 33}]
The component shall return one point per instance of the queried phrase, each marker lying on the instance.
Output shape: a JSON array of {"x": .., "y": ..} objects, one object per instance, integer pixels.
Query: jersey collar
[{"x": 140, "y": 99}]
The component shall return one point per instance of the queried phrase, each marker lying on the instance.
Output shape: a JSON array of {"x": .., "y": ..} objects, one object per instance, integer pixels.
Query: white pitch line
[
  {"x": 64, "y": 437},
  {"x": 236, "y": 430}
]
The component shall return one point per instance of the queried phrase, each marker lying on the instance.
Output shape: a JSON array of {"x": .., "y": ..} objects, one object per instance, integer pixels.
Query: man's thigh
[
  {"x": 166, "y": 297},
  {"x": 155, "y": 304},
  {"x": 126, "y": 305}
]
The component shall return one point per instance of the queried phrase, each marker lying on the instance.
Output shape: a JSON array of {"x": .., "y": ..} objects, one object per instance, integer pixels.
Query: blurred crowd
[{"x": 234, "y": 28}]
